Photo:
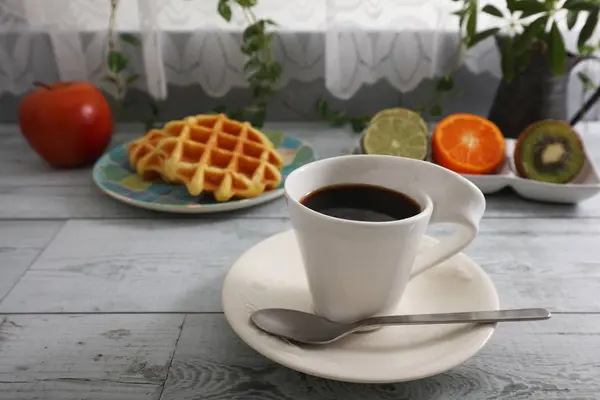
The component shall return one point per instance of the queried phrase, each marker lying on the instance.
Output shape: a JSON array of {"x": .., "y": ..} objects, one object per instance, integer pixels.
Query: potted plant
[{"x": 534, "y": 60}]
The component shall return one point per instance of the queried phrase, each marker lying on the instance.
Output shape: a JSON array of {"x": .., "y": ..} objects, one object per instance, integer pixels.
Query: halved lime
[
  {"x": 403, "y": 113},
  {"x": 397, "y": 137}
]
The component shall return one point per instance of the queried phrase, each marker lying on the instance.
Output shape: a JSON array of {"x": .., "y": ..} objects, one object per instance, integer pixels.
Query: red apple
[{"x": 68, "y": 124}]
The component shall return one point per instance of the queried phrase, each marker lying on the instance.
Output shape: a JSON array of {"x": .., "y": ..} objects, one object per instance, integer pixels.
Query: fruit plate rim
[
  {"x": 202, "y": 208},
  {"x": 508, "y": 178},
  {"x": 512, "y": 175}
]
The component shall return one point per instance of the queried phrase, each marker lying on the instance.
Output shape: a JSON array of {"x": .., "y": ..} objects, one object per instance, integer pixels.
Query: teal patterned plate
[{"x": 116, "y": 178}]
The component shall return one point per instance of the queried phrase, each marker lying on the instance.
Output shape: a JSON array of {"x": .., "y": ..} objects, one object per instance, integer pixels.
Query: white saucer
[{"x": 270, "y": 274}]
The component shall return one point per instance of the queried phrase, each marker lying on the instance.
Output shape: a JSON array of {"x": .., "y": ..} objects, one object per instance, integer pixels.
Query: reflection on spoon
[{"x": 304, "y": 327}]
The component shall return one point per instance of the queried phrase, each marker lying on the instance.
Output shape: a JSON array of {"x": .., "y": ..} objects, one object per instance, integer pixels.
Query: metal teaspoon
[{"x": 303, "y": 327}]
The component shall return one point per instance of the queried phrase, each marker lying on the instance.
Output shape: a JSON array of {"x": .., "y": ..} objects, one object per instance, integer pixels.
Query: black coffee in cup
[{"x": 361, "y": 202}]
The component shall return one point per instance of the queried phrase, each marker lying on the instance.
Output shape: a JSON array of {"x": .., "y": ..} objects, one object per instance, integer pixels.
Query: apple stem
[{"x": 41, "y": 84}]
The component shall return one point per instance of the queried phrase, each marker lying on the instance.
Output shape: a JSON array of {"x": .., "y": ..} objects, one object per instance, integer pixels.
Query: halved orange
[{"x": 468, "y": 144}]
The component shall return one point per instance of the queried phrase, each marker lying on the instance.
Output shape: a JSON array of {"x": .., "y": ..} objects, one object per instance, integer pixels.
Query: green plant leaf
[
  {"x": 586, "y": 81},
  {"x": 275, "y": 71},
  {"x": 268, "y": 38},
  {"x": 261, "y": 92},
  {"x": 586, "y": 50},
  {"x": 252, "y": 31},
  {"x": 588, "y": 28},
  {"x": 522, "y": 60},
  {"x": 131, "y": 39},
  {"x": 246, "y": 50},
  {"x": 111, "y": 79},
  {"x": 358, "y": 124},
  {"x": 258, "y": 75},
  {"x": 236, "y": 114},
  {"x": 556, "y": 50},
  {"x": 435, "y": 110},
  {"x": 153, "y": 108},
  {"x": 116, "y": 61},
  {"x": 337, "y": 118},
  {"x": 224, "y": 10},
  {"x": 268, "y": 21},
  {"x": 530, "y": 32},
  {"x": 510, "y": 4},
  {"x": 572, "y": 18},
  {"x": 532, "y": 7},
  {"x": 246, "y": 3},
  {"x": 461, "y": 14},
  {"x": 507, "y": 59},
  {"x": 322, "y": 108},
  {"x": 220, "y": 109},
  {"x": 482, "y": 36},
  {"x": 527, "y": 14},
  {"x": 472, "y": 23},
  {"x": 262, "y": 72},
  {"x": 252, "y": 64},
  {"x": 149, "y": 124},
  {"x": 581, "y": 5},
  {"x": 252, "y": 44},
  {"x": 257, "y": 118},
  {"x": 445, "y": 84},
  {"x": 492, "y": 10},
  {"x": 132, "y": 78}
]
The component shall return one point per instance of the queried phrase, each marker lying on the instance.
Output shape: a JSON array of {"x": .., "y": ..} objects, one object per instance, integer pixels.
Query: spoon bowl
[
  {"x": 303, "y": 327},
  {"x": 300, "y": 326}
]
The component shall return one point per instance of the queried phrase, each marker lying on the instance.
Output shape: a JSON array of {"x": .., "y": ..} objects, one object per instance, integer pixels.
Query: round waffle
[{"x": 209, "y": 153}]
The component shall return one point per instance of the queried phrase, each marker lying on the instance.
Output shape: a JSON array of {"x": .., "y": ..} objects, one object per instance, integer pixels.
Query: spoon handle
[{"x": 526, "y": 314}]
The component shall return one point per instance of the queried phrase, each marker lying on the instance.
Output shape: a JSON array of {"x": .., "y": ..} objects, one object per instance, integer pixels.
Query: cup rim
[{"x": 426, "y": 208}]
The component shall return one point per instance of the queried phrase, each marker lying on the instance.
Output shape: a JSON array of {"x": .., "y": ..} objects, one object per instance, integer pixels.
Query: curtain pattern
[{"x": 347, "y": 43}]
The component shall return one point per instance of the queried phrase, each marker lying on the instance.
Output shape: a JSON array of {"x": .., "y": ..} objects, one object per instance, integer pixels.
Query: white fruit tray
[{"x": 584, "y": 186}]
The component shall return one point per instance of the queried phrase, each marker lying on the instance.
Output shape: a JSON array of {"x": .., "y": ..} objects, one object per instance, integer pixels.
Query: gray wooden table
[{"x": 99, "y": 300}]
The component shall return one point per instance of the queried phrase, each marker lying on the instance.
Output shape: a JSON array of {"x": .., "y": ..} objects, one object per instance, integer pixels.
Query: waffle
[
  {"x": 209, "y": 153},
  {"x": 146, "y": 156}
]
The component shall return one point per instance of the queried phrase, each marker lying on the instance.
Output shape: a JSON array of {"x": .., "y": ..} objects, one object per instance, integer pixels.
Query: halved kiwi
[{"x": 549, "y": 151}]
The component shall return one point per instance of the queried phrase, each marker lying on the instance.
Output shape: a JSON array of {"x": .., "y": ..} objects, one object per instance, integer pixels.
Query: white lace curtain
[{"x": 349, "y": 43}]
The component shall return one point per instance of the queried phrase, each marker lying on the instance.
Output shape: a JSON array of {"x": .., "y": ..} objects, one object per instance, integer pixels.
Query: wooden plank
[
  {"x": 179, "y": 265},
  {"x": 161, "y": 265},
  {"x": 78, "y": 389},
  {"x": 555, "y": 359},
  {"x": 550, "y": 263},
  {"x": 30, "y": 189},
  {"x": 86, "y": 201},
  {"x": 86, "y": 356},
  {"x": 20, "y": 244},
  {"x": 24, "y": 167}
]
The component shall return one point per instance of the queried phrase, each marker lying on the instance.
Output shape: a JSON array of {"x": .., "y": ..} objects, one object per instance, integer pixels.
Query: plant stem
[
  {"x": 267, "y": 53},
  {"x": 454, "y": 64},
  {"x": 112, "y": 45},
  {"x": 111, "y": 24},
  {"x": 293, "y": 108},
  {"x": 42, "y": 85}
]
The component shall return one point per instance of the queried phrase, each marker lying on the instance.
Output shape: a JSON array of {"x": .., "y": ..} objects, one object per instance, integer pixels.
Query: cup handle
[{"x": 467, "y": 218}]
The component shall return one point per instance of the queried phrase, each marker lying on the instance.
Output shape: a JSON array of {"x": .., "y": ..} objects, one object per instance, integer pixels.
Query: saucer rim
[{"x": 262, "y": 347}]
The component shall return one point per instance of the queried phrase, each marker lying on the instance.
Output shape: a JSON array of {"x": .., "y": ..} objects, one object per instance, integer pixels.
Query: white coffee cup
[{"x": 358, "y": 269}]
